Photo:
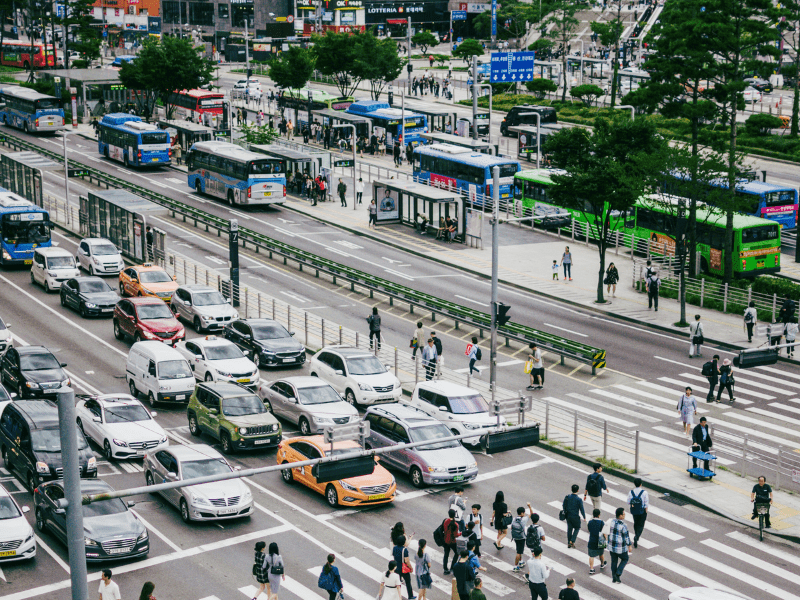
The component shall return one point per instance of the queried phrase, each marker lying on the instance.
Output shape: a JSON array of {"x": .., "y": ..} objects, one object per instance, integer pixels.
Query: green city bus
[
  {"x": 320, "y": 100},
  {"x": 756, "y": 241}
]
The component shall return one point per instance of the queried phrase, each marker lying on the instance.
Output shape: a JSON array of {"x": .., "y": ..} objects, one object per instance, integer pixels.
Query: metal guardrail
[{"x": 577, "y": 351}]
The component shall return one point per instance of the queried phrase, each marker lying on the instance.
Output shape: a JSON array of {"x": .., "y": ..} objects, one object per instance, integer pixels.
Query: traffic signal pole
[
  {"x": 475, "y": 89},
  {"x": 495, "y": 247}
]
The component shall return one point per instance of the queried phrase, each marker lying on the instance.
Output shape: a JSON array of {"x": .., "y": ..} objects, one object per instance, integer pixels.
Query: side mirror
[
  {"x": 291, "y": 333},
  {"x": 13, "y": 394},
  {"x": 131, "y": 503},
  {"x": 444, "y": 409},
  {"x": 173, "y": 476},
  {"x": 187, "y": 302},
  {"x": 213, "y": 411},
  {"x": 59, "y": 511},
  {"x": 63, "y": 365},
  {"x": 134, "y": 278},
  {"x": 174, "y": 278},
  {"x": 97, "y": 419},
  {"x": 8, "y": 325},
  {"x": 237, "y": 468},
  {"x": 153, "y": 414},
  {"x": 26, "y": 509},
  {"x": 338, "y": 372},
  {"x": 246, "y": 352}
]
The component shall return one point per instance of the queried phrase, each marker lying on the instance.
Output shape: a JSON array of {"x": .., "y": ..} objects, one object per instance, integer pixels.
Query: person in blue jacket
[{"x": 329, "y": 579}]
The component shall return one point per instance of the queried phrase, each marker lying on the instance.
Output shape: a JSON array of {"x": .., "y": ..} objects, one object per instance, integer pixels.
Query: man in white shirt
[
  {"x": 359, "y": 190},
  {"x": 109, "y": 590},
  {"x": 537, "y": 573},
  {"x": 638, "y": 501}
]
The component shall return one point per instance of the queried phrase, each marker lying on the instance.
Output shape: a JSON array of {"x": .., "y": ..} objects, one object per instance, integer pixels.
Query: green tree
[
  {"x": 587, "y": 93},
  {"x": 606, "y": 171},
  {"x": 379, "y": 63},
  {"x": 259, "y": 134},
  {"x": 761, "y": 123},
  {"x": 513, "y": 20},
  {"x": 467, "y": 49},
  {"x": 790, "y": 32},
  {"x": 292, "y": 69},
  {"x": 540, "y": 87},
  {"x": 337, "y": 56},
  {"x": 610, "y": 33},
  {"x": 542, "y": 45},
  {"x": 162, "y": 67},
  {"x": 424, "y": 39},
  {"x": 78, "y": 19},
  {"x": 564, "y": 25}
]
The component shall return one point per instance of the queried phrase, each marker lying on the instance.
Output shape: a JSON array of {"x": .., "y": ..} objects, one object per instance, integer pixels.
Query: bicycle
[{"x": 762, "y": 509}]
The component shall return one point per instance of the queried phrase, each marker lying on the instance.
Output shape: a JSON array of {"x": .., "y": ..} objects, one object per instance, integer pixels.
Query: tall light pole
[
  {"x": 475, "y": 127},
  {"x": 495, "y": 251},
  {"x": 353, "y": 146},
  {"x": 475, "y": 97},
  {"x": 64, "y": 135}
]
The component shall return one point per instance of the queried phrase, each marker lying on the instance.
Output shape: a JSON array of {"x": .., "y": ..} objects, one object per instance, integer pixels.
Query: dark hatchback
[
  {"x": 33, "y": 372},
  {"x": 90, "y": 296},
  {"x": 111, "y": 531},
  {"x": 269, "y": 342}
]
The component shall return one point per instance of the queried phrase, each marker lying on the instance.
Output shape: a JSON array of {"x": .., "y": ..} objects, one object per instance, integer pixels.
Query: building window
[
  {"x": 201, "y": 13},
  {"x": 174, "y": 12},
  {"x": 224, "y": 11},
  {"x": 240, "y": 13}
]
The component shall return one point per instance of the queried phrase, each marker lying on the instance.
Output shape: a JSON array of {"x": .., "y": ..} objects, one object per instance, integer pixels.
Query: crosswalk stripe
[
  {"x": 750, "y": 431},
  {"x": 736, "y": 389},
  {"x": 609, "y": 508},
  {"x": 299, "y": 590},
  {"x": 745, "y": 417},
  {"x": 752, "y": 373},
  {"x": 767, "y": 413},
  {"x": 685, "y": 384},
  {"x": 587, "y": 411},
  {"x": 670, "y": 401},
  {"x": 748, "y": 558},
  {"x": 786, "y": 407},
  {"x": 617, "y": 409},
  {"x": 376, "y": 575},
  {"x": 779, "y": 372},
  {"x": 215, "y": 598},
  {"x": 721, "y": 435},
  {"x": 673, "y": 392},
  {"x": 582, "y": 534},
  {"x": 774, "y": 552},
  {"x": 652, "y": 577},
  {"x": 759, "y": 385},
  {"x": 660, "y": 512},
  {"x": 694, "y": 577},
  {"x": 637, "y": 403},
  {"x": 683, "y": 448},
  {"x": 736, "y": 574}
]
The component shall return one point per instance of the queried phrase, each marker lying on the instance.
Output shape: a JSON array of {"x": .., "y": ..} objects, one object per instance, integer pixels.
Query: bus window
[
  {"x": 781, "y": 198},
  {"x": 630, "y": 219},
  {"x": 156, "y": 137},
  {"x": 506, "y": 170},
  {"x": 747, "y": 203},
  {"x": 762, "y": 233}
]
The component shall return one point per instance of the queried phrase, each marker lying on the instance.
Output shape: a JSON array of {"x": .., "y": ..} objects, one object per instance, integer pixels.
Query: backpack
[
  {"x": 532, "y": 537},
  {"x": 325, "y": 580},
  {"x": 637, "y": 505},
  {"x": 517, "y": 530},
  {"x": 708, "y": 369},
  {"x": 438, "y": 535},
  {"x": 592, "y": 486},
  {"x": 748, "y": 317},
  {"x": 478, "y": 354}
]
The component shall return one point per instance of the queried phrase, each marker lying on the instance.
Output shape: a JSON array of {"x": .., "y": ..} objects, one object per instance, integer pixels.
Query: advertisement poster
[
  {"x": 662, "y": 244},
  {"x": 388, "y": 204},
  {"x": 716, "y": 259}
]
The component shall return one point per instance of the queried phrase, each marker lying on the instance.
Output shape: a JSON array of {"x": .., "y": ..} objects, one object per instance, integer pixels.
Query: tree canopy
[
  {"x": 292, "y": 69},
  {"x": 467, "y": 49},
  {"x": 424, "y": 39},
  {"x": 540, "y": 87},
  {"x": 337, "y": 55},
  {"x": 380, "y": 63}
]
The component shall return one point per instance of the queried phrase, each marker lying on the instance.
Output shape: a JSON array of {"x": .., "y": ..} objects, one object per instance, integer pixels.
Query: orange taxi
[
  {"x": 379, "y": 487},
  {"x": 147, "y": 280}
]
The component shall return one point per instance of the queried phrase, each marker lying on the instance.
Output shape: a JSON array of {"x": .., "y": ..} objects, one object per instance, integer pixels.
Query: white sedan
[
  {"x": 120, "y": 425},
  {"x": 217, "y": 359},
  {"x": 751, "y": 94}
]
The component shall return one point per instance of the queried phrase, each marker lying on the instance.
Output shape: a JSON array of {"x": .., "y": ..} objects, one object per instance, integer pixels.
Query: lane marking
[
  {"x": 478, "y": 302},
  {"x": 163, "y": 537},
  {"x": 567, "y": 330},
  {"x": 52, "y": 553}
]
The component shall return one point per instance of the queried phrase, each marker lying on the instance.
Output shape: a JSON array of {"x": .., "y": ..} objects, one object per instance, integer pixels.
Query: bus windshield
[
  {"x": 25, "y": 232},
  {"x": 267, "y": 167},
  {"x": 781, "y": 198},
  {"x": 506, "y": 170},
  {"x": 156, "y": 137},
  {"x": 763, "y": 233},
  {"x": 47, "y": 104},
  {"x": 413, "y": 122}
]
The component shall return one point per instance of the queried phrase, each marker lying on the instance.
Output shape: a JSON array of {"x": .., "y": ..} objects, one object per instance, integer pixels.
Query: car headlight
[
  {"x": 146, "y": 291},
  {"x": 347, "y": 486},
  {"x": 95, "y": 261},
  {"x": 199, "y": 500},
  {"x": 163, "y": 388},
  {"x": 120, "y": 443},
  {"x": 42, "y": 467},
  {"x": 92, "y": 462},
  {"x": 437, "y": 469},
  {"x": 396, "y": 383},
  {"x": 254, "y": 373},
  {"x": 243, "y": 430},
  {"x": 235, "y": 314},
  {"x": 365, "y": 387},
  {"x": 6, "y": 255},
  {"x": 206, "y": 318},
  {"x": 267, "y": 352},
  {"x": 149, "y": 335},
  {"x": 473, "y": 465},
  {"x": 52, "y": 273},
  {"x": 276, "y": 427},
  {"x": 142, "y": 537},
  {"x": 66, "y": 382},
  {"x": 471, "y": 426},
  {"x": 163, "y": 440},
  {"x": 322, "y": 420},
  {"x": 89, "y": 542},
  {"x": 90, "y": 305},
  {"x": 247, "y": 494},
  {"x": 29, "y": 538},
  {"x": 32, "y": 384},
  {"x": 354, "y": 418},
  {"x": 224, "y": 374}
]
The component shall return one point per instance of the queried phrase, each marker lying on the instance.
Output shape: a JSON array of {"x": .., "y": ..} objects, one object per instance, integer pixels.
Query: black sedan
[
  {"x": 90, "y": 296},
  {"x": 270, "y": 344},
  {"x": 111, "y": 531},
  {"x": 32, "y": 372}
]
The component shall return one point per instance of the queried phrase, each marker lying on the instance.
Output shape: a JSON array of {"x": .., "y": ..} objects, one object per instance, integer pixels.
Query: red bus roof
[{"x": 201, "y": 94}]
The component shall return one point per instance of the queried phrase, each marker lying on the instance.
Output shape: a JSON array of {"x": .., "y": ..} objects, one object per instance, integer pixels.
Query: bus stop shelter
[
  {"x": 410, "y": 203},
  {"x": 457, "y": 140},
  {"x": 123, "y": 218},
  {"x": 438, "y": 117},
  {"x": 338, "y": 117},
  {"x": 95, "y": 86},
  {"x": 21, "y": 173},
  {"x": 186, "y": 132}
]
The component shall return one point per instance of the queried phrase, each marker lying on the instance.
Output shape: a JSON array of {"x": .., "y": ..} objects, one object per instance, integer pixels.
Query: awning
[{"x": 397, "y": 21}]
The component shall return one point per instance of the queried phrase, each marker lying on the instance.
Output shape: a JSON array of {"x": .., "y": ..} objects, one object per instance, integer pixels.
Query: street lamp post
[
  {"x": 64, "y": 135},
  {"x": 353, "y": 146}
]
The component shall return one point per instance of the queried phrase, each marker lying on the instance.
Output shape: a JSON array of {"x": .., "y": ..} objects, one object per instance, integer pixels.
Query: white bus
[{"x": 236, "y": 175}]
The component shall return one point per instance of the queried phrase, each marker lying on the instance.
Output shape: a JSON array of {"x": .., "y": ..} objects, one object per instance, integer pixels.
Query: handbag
[
  {"x": 562, "y": 515},
  {"x": 426, "y": 579},
  {"x": 528, "y": 366},
  {"x": 407, "y": 568},
  {"x": 698, "y": 340},
  {"x": 412, "y": 343},
  {"x": 276, "y": 569},
  {"x": 602, "y": 544},
  {"x": 507, "y": 520}
]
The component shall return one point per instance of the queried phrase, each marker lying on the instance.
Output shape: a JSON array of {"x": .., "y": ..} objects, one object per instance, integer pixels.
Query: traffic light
[
  {"x": 249, "y": 73},
  {"x": 501, "y": 313},
  {"x": 409, "y": 68},
  {"x": 343, "y": 469},
  {"x": 748, "y": 359}
]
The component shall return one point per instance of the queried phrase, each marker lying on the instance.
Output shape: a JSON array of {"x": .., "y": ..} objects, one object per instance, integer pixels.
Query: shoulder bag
[
  {"x": 507, "y": 519},
  {"x": 277, "y": 568}
]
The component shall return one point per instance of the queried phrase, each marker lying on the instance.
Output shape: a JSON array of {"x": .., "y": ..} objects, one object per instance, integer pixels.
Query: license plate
[
  {"x": 760, "y": 264},
  {"x": 155, "y": 160},
  {"x": 140, "y": 453},
  {"x": 266, "y": 441},
  {"x": 227, "y": 511},
  {"x": 376, "y": 497},
  {"x": 288, "y": 360},
  {"x": 8, "y": 553},
  {"x": 243, "y": 380},
  {"x": 180, "y": 397},
  {"x": 118, "y": 550},
  {"x": 268, "y": 193},
  {"x": 107, "y": 310},
  {"x": 458, "y": 478},
  {"x": 29, "y": 262}
]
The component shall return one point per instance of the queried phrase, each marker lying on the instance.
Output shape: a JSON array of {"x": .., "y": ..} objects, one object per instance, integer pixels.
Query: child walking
[{"x": 555, "y": 270}]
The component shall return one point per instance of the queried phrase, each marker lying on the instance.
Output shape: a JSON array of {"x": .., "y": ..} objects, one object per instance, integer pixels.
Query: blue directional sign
[
  {"x": 459, "y": 15},
  {"x": 512, "y": 66}
]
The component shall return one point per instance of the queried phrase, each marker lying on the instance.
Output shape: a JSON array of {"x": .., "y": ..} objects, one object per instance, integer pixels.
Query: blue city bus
[
  {"x": 128, "y": 139},
  {"x": 458, "y": 168},
  {"x": 30, "y": 111},
  {"x": 384, "y": 116},
  {"x": 23, "y": 227},
  {"x": 236, "y": 175},
  {"x": 758, "y": 198}
]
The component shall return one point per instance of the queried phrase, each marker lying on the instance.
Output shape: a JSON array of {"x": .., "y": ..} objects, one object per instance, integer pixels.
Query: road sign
[
  {"x": 343, "y": 163},
  {"x": 459, "y": 15},
  {"x": 78, "y": 173},
  {"x": 512, "y": 66}
]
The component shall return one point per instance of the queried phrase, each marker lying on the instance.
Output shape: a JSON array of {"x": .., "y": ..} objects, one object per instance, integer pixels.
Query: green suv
[{"x": 234, "y": 415}]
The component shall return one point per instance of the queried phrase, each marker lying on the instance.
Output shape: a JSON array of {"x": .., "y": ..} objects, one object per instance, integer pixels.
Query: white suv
[{"x": 356, "y": 374}]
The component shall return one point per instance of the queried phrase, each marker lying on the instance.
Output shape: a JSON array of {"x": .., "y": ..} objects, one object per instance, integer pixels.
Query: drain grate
[{"x": 673, "y": 500}]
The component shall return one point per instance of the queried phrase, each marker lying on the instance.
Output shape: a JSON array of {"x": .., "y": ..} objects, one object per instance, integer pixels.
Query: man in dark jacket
[
  {"x": 326, "y": 137},
  {"x": 342, "y": 190},
  {"x": 438, "y": 344},
  {"x": 701, "y": 440},
  {"x": 713, "y": 379},
  {"x": 374, "y": 321},
  {"x": 786, "y": 314},
  {"x": 573, "y": 508},
  {"x": 396, "y": 154}
]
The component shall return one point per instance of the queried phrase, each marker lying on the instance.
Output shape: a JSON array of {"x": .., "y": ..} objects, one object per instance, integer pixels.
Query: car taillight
[
  {"x": 249, "y": 192},
  {"x": 488, "y": 189},
  {"x": 284, "y": 191},
  {"x": 139, "y": 154},
  {"x": 37, "y": 122},
  {"x": 62, "y": 120},
  {"x": 169, "y": 152}
]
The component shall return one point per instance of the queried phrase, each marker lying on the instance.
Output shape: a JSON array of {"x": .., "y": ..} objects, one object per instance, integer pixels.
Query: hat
[{"x": 726, "y": 362}]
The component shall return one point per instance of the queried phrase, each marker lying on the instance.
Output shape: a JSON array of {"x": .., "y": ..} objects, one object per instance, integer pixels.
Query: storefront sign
[
  {"x": 329, "y": 4},
  {"x": 478, "y": 8}
]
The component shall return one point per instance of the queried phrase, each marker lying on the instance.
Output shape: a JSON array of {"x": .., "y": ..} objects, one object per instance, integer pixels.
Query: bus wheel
[{"x": 230, "y": 197}]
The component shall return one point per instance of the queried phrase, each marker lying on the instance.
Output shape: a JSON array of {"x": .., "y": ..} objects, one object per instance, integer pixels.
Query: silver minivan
[{"x": 439, "y": 463}]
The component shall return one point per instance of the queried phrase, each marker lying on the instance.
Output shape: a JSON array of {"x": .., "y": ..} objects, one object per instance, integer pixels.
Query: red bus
[
  {"x": 196, "y": 104},
  {"x": 18, "y": 54}
]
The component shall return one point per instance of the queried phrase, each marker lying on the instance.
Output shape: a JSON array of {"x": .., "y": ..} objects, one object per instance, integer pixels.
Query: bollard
[
  {"x": 774, "y": 304},
  {"x": 573, "y": 231},
  {"x": 273, "y": 309},
  {"x": 323, "y": 333},
  {"x": 245, "y": 303},
  {"x": 357, "y": 346},
  {"x": 259, "y": 305},
  {"x": 778, "y": 468},
  {"x": 416, "y": 370},
  {"x": 702, "y": 291},
  {"x": 395, "y": 363},
  {"x": 340, "y": 335},
  {"x": 547, "y": 419},
  {"x": 725, "y": 298},
  {"x": 289, "y": 317}
]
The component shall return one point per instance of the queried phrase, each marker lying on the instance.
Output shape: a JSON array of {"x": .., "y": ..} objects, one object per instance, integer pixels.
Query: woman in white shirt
[{"x": 391, "y": 581}]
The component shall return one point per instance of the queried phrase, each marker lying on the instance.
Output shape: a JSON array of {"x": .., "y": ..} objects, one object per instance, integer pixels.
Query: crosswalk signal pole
[{"x": 495, "y": 247}]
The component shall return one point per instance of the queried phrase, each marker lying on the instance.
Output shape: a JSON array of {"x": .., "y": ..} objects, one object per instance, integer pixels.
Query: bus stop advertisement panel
[{"x": 407, "y": 202}]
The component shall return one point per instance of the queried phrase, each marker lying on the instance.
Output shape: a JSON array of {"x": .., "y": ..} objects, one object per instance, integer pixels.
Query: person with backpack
[
  {"x": 696, "y": 337},
  {"x": 638, "y": 501},
  {"x": 475, "y": 565},
  {"x": 374, "y": 321},
  {"x": 456, "y": 502},
  {"x": 711, "y": 372},
  {"x": 462, "y": 571},
  {"x": 595, "y": 547},
  {"x": 572, "y": 507},
  {"x": 329, "y": 578},
  {"x": 595, "y": 484},
  {"x": 518, "y": 527},
  {"x": 466, "y": 536},
  {"x": 439, "y": 352},
  {"x": 476, "y": 519},
  {"x": 786, "y": 314},
  {"x": 726, "y": 381},
  {"x": 534, "y": 535},
  {"x": 475, "y": 355},
  {"x": 653, "y": 283},
  {"x": 750, "y": 319},
  {"x": 450, "y": 533},
  {"x": 687, "y": 406}
]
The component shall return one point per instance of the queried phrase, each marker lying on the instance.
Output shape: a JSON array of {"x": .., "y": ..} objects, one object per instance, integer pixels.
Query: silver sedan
[{"x": 307, "y": 401}]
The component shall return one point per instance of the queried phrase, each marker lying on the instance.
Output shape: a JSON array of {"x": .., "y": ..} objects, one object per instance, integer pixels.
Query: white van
[
  {"x": 159, "y": 372},
  {"x": 52, "y": 266}
]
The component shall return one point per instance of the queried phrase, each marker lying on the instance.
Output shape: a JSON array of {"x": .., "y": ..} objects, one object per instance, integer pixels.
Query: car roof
[
  {"x": 94, "y": 241},
  {"x": 259, "y": 321},
  {"x": 193, "y": 452},
  {"x": 148, "y": 267},
  {"x": 347, "y": 351},
  {"x": 43, "y": 414},
  {"x": 319, "y": 441},
  {"x": 32, "y": 350},
  {"x": 302, "y": 381},
  {"x": 410, "y": 415},
  {"x": 85, "y": 278},
  {"x": 227, "y": 389},
  {"x": 54, "y": 251},
  {"x": 115, "y": 399},
  {"x": 88, "y": 485},
  {"x": 448, "y": 387},
  {"x": 211, "y": 340},
  {"x": 139, "y": 300},
  {"x": 197, "y": 287}
]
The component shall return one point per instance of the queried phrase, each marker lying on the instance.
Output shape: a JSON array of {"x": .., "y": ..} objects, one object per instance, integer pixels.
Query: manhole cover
[{"x": 674, "y": 500}]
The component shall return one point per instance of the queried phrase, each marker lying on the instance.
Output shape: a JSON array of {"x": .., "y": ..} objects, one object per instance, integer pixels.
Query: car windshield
[
  {"x": 4, "y": 394},
  {"x": 154, "y": 277},
  {"x": 8, "y": 510},
  {"x": 269, "y": 332},
  {"x": 468, "y": 405},
  {"x": 126, "y": 413},
  {"x": 25, "y": 232},
  {"x": 154, "y": 311},
  {"x": 49, "y": 440},
  {"x": 104, "y": 250},
  {"x": 365, "y": 365},
  {"x": 101, "y": 509},
  {"x": 174, "y": 369},
  {"x": 208, "y": 299},
  {"x": 38, "y": 362},
  {"x": 94, "y": 287},
  {"x": 321, "y": 394},
  {"x": 432, "y": 432},
  {"x": 224, "y": 352},
  {"x": 243, "y": 405},
  {"x": 60, "y": 262},
  {"x": 204, "y": 468}
]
